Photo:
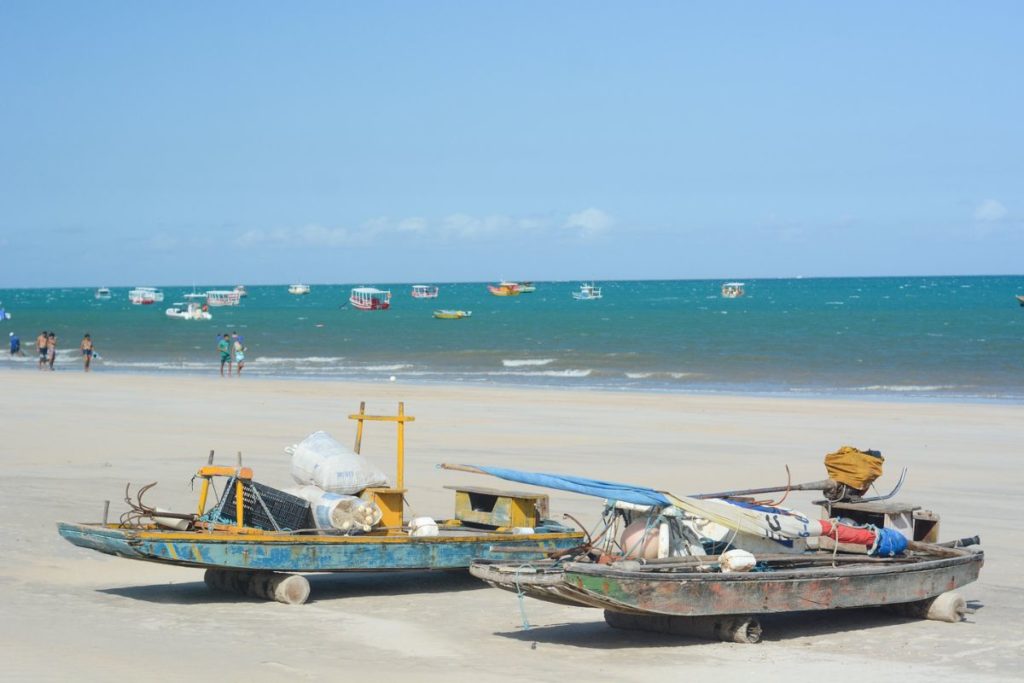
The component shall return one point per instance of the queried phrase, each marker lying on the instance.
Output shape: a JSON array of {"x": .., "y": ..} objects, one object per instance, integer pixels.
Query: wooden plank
[{"x": 496, "y": 492}]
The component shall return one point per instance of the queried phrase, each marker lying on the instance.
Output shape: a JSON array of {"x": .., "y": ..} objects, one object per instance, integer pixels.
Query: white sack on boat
[
  {"x": 423, "y": 526},
  {"x": 336, "y": 511},
  {"x": 321, "y": 461},
  {"x": 737, "y": 561}
]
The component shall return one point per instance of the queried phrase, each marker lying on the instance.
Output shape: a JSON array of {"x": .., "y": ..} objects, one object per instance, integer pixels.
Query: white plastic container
[{"x": 337, "y": 511}]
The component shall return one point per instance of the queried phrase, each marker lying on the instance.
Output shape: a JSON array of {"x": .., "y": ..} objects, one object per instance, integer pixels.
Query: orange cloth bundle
[{"x": 854, "y": 467}]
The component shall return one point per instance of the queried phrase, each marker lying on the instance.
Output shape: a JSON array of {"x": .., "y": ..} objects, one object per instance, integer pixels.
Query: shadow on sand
[
  {"x": 323, "y": 587},
  {"x": 776, "y": 628}
]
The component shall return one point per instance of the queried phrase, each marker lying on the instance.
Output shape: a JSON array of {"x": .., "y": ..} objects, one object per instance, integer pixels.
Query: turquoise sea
[{"x": 933, "y": 337}]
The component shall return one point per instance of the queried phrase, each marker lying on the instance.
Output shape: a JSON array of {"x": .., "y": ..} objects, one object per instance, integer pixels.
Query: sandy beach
[{"x": 71, "y": 441}]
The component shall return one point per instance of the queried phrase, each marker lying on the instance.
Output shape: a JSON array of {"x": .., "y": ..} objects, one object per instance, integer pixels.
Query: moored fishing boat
[
  {"x": 298, "y": 289},
  {"x": 145, "y": 296},
  {"x": 370, "y": 299},
  {"x": 588, "y": 292},
  {"x": 425, "y": 291},
  {"x": 505, "y": 289},
  {"x": 102, "y": 294},
  {"x": 527, "y": 287},
  {"x": 733, "y": 290},
  {"x": 251, "y": 531},
  {"x": 191, "y": 310},
  {"x": 223, "y": 297},
  {"x": 446, "y": 314}
]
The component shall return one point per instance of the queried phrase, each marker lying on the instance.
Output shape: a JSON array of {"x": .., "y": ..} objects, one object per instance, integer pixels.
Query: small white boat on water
[
  {"x": 223, "y": 297},
  {"x": 102, "y": 294},
  {"x": 733, "y": 290},
  {"x": 188, "y": 311},
  {"x": 424, "y": 291},
  {"x": 144, "y": 296},
  {"x": 588, "y": 292},
  {"x": 370, "y": 299},
  {"x": 240, "y": 291},
  {"x": 298, "y": 289}
]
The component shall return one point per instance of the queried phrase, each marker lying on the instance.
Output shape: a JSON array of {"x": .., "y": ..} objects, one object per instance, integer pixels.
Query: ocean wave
[
  {"x": 639, "y": 375},
  {"x": 323, "y": 360},
  {"x": 540, "y": 373},
  {"x": 527, "y": 361},
  {"x": 907, "y": 387},
  {"x": 380, "y": 368}
]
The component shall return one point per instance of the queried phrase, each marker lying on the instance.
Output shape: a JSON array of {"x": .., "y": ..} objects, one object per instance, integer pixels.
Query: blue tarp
[{"x": 590, "y": 487}]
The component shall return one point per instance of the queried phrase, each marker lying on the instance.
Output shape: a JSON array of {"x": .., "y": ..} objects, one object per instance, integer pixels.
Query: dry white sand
[{"x": 68, "y": 441}]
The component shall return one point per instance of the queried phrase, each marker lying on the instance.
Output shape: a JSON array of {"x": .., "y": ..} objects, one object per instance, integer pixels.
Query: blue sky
[{"x": 179, "y": 142}]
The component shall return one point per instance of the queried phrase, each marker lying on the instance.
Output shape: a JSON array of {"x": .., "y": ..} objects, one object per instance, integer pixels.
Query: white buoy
[{"x": 392, "y": 378}]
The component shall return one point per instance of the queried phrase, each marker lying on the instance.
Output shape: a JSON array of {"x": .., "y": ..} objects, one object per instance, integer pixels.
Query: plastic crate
[{"x": 290, "y": 512}]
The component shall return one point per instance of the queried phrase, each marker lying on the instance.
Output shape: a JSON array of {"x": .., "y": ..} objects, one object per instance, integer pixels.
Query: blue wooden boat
[
  {"x": 455, "y": 547},
  {"x": 488, "y": 524}
]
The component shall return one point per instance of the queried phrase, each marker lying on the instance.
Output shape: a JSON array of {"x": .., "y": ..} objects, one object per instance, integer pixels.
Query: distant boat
[
  {"x": 588, "y": 292},
  {"x": 733, "y": 290},
  {"x": 102, "y": 294},
  {"x": 223, "y": 297},
  {"x": 370, "y": 299},
  {"x": 446, "y": 314},
  {"x": 188, "y": 311},
  {"x": 424, "y": 292},
  {"x": 298, "y": 289},
  {"x": 505, "y": 289},
  {"x": 527, "y": 287},
  {"x": 144, "y": 296},
  {"x": 240, "y": 291}
]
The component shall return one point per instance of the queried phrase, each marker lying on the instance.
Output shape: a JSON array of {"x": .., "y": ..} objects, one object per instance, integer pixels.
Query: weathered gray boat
[{"x": 693, "y": 595}]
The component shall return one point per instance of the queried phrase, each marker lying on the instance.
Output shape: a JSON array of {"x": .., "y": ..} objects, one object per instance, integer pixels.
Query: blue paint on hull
[{"x": 300, "y": 554}]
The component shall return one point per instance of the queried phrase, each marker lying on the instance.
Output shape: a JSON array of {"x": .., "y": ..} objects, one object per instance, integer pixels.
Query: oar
[{"x": 809, "y": 486}]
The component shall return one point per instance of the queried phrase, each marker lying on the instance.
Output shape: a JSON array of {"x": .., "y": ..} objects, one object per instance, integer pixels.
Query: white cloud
[
  {"x": 456, "y": 227},
  {"x": 590, "y": 222},
  {"x": 990, "y": 211},
  {"x": 307, "y": 235}
]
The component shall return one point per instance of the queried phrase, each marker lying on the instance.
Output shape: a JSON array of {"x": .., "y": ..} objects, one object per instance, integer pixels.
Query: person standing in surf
[
  {"x": 224, "y": 346},
  {"x": 87, "y": 351},
  {"x": 51, "y": 349},
  {"x": 41, "y": 348},
  {"x": 239, "y": 355}
]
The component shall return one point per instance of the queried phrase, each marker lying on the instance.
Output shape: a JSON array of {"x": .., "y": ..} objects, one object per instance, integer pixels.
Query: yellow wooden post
[
  {"x": 359, "y": 427},
  {"x": 202, "y": 495},
  {"x": 400, "y": 474},
  {"x": 390, "y": 500},
  {"x": 239, "y": 502}
]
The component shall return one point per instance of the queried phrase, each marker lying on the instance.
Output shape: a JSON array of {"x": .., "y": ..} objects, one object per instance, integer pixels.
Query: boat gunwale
[
  {"x": 256, "y": 536},
  {"x": 659, "y": 574}
]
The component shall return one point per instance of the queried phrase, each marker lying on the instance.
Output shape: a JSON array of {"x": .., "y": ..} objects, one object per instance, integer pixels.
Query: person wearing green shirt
[{"x": 224, "y": 346}]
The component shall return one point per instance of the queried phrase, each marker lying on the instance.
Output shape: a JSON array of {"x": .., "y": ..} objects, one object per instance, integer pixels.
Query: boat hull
[
  {"x": 809, "y": 589},
  {"x": 309, "y": 553},
  {"x": 689, "y": 593}
]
